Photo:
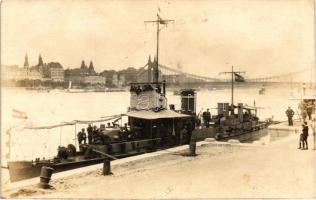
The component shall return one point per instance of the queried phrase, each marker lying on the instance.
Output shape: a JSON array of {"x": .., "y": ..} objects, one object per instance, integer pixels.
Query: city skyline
[{"x": 264, "y": 39}]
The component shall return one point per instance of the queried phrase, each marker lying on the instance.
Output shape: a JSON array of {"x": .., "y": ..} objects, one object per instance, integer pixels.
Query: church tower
[
  {"x": 26, "y": 62},
  {"x": 83, "y": 65},
  {"x": 91, "y": 68},
  {"x": 40, "y": 61}
]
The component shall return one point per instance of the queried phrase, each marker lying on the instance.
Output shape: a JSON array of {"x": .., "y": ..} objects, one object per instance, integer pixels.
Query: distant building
[
  {"x": 94, "y": 80},
  {"x": 56, "y": 72},
  {"x": 115, "y": 80},
  {"x": 84, "y": 74},
  {"x": 122, "y": 80},
  {"x": 118, "y": 80},
  {"x": 33, "y": 74},
  {"x": 13, "y": 72}
]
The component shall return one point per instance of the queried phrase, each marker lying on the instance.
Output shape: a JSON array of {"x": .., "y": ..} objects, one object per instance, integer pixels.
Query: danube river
[{"x": 57, "y": 106}]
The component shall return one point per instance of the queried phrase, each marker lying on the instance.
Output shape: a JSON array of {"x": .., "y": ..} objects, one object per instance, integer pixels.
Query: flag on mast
[{"x": 239, "y": 78}]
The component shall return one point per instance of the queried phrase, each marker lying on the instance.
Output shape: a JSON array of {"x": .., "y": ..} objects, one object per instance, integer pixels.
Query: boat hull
[{"x": 20, "y": 170}]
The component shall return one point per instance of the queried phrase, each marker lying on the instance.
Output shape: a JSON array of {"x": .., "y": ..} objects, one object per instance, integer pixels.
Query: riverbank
[{"x": 221, "y": 170}]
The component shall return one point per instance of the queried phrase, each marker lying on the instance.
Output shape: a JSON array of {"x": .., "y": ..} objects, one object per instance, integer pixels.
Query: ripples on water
[{"x": 58, "y": 106}]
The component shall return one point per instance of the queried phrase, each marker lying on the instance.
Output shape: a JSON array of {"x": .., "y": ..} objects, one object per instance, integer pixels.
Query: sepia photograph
[{"x": 157, "y": 99}]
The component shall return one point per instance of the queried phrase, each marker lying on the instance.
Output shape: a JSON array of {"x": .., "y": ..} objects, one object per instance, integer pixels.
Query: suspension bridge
[{"x": 173, "y": 75}]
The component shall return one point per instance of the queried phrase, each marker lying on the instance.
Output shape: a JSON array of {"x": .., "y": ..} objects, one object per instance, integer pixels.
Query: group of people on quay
[{"x": 307, "y": 108}]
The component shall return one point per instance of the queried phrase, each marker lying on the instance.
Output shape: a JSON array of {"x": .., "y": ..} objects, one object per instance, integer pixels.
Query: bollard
[
  {"x": 107, "y": 167},
  {"x": 192, "y": 149},
  {"x": 46, "y": 173}
]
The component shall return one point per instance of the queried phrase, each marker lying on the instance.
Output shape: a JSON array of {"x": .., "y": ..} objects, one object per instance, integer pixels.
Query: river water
[{"x": 58, "y": 106}]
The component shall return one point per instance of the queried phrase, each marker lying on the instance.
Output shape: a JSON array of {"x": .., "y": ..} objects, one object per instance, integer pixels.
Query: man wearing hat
[{"x": 290, "y": 113}]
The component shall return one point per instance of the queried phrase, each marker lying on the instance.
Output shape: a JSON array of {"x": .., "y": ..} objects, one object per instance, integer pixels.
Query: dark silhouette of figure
[
  {"x": 82, "y": 136},
  {"x": 305, "y": 135},
  {"x": 246, "y": 116},
  {"x": 290, "y": 113},
  {"x": 206, "y": 118},
  {"x": 95, "y": 133}
]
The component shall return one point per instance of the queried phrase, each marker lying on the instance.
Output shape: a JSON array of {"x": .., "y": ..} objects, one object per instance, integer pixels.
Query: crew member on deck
[
  {"x": 95, "y": 133},
  {"x": 90, "y": 130},
  {"x": 246, "y": 117},
  {"x": 207, "y": 118},
  {"x": 290, "y": 113},
  {"x": 82, "y": 136}
]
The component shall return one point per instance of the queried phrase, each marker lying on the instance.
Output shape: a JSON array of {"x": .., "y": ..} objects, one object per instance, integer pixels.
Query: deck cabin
[{"x": 150, "y": 118}]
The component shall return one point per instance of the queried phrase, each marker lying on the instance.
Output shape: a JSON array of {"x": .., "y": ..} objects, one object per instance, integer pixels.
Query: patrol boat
[
  {"x": 233, "y": 121},
  {"x": 151, "y": 126}
]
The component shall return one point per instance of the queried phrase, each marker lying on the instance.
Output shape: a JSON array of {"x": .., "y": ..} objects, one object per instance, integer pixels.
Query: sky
[{"x": 261, "y": 37}]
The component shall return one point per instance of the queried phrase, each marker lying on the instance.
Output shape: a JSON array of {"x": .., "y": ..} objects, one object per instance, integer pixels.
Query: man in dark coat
[
  {"x": 95, "y": 134},
  {"x": 82, "y": 136},
  {"x": 206, "y": 118},
  {"x": 290, "y": 113},
  {"x": 305, "y": 135}
]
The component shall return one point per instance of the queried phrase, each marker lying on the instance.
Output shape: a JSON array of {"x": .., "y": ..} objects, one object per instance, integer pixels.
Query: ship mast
[
  {"x": 163, "y": 22},
  {"x": 233, "y": 73}
]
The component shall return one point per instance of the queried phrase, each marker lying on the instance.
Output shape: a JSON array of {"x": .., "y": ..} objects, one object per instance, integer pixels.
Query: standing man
[
  {"x": 290, "y": 113},
  {"x": 95, "y": 134},
  {"x": 207, "y": 118},
  {"x": 84, "y": 136},
  {"x": 90, "y": 130},
  {"x": 305, "y": 135},
  {"x": 80, "y": 136}
]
